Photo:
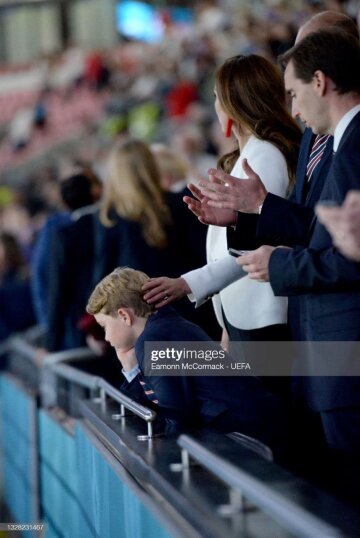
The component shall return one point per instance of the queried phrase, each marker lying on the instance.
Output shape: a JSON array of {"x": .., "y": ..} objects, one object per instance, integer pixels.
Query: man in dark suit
[
  {"x": 184, "y": 401},
  {"x": 326, "y": 94}
]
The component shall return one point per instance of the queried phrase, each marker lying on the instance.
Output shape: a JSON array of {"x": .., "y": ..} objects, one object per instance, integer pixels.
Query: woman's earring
[{"x": 228, "y": 128}]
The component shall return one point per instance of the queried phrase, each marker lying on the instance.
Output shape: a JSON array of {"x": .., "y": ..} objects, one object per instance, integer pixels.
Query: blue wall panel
[
  {"x": 18, "y": 423},
  {"x": 111, "y": 507},
  {"x": 81, "y": 495},
  {"x": 58, "y": 473}
]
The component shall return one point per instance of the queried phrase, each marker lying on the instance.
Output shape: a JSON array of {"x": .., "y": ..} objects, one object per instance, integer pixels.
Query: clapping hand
[
  {"x": 205, "y": 213},
  {"x": 237, "y": 194}
]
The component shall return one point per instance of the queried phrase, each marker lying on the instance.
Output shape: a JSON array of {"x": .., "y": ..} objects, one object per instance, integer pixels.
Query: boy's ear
[{"x": 126, "y": 315}]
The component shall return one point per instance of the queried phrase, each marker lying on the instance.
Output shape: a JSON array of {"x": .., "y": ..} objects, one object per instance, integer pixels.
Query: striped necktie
[
  {"x": 147, "y": 389},
  {"x": 316, "y": 154}
]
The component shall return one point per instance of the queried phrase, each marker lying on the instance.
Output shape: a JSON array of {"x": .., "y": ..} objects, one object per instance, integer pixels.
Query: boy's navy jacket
[{"x": 228, "y": 403}]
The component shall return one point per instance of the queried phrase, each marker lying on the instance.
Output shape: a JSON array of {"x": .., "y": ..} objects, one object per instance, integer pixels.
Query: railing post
[
  {"x": 122, "y": 413},
  {"x": 126, "y": 404},
  {"x": 103, "y": 400},
  {"x": 184, "y": 465},
  {"x": 238, "y": 504},
  {"x": 149, "y": 435}
]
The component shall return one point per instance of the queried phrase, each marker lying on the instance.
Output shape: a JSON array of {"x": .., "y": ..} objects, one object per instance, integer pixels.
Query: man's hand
[
  {"x": 164, "y": 290},
  {"x": 206, "y": 214},
  {"x": 227, "y": 192},
  {"x": 256, "y": 263},
  {"x": 343, "y": 224},
  {"x": 127, "y": 358}
]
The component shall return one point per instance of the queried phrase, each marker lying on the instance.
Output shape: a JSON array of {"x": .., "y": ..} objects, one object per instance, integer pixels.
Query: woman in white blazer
[{"x": 250, "y": 104}]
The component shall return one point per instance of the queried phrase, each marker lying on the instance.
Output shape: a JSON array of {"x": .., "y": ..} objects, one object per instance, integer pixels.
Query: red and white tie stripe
[{"x": 316, "y": 154}]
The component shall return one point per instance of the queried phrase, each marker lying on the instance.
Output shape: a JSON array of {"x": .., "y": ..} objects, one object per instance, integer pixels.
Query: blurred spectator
[
  {"x": 15, "y": 219},
  {"x": 76, "y": 192},
  {"x": 20, "y": 128},
  {"x": 96, "y": 72},
  {"x": 174, "y": 172},
  {"x": 189, "y": 142},
  {"x": 16, "y": 312},
  {"x": 180, "y": 97},
  {"x": 40, "y": 111}
]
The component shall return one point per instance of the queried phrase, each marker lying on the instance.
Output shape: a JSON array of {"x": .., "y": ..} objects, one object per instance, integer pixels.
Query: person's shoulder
[
  {"x": 166, "y": 324},
  {"x": 54, "y": 222},
  {"x": 351, "y": 134},
  {"x": 265, "y": 159},
  {"x": 86, "y": 212},
  {"x": 262, "y": 149}
]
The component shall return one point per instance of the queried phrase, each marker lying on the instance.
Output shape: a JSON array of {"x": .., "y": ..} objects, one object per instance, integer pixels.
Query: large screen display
[{"x": 142, "y": 21}]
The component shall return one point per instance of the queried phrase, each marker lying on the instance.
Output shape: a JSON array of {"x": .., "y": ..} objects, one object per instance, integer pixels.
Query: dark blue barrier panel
[
  {"x": 19, "y": 451},
  {"x": 109, "y": 506}
]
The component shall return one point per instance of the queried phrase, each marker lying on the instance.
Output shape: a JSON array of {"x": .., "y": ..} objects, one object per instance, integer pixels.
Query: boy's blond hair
[{"x": 120, "y": 289}]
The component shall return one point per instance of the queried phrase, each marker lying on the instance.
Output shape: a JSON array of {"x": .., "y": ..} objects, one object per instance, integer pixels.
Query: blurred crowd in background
[{"x": 61, "y": 116}]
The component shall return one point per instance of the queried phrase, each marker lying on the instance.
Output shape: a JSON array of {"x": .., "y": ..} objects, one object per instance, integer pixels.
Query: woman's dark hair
[{"x": 251, "y": 92}]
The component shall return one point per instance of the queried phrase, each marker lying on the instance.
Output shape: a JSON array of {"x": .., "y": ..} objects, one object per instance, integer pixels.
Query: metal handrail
[
  {"x": 127, "y": 403},
  {"x": 141, "y": 411},
  {"x": 76, "y": 376},
  {"x": 28, "y": 351},
  {"x": 33, "y": 333},
  {"x": 68, "y": 355},
  {"x": 282, "y": 509},
  {"x": 54, "y": 366}
]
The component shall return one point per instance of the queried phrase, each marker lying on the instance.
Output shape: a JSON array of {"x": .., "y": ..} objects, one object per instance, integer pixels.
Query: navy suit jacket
[
  {"x": 227, "y": 403},
  {"x": 285, "y": 221},
  {"x": 327, "y": 282}
]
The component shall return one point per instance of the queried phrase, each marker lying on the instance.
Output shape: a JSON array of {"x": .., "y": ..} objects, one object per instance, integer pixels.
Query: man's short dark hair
[
  {"x": 334, "y": 52},
  {"x": 76, "y": 191}
]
